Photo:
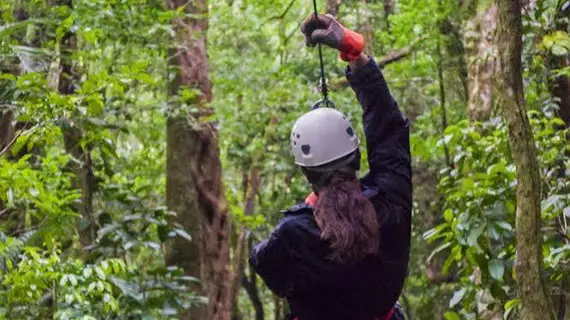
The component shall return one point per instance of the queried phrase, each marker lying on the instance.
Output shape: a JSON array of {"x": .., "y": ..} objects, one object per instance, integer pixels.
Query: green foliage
[
  {"x": 65, "y": 288},
  {"x": 480, "y": 192},
  {"x": 117, "y": 101}
]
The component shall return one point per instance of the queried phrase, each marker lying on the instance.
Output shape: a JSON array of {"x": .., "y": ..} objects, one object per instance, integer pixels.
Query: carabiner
[{"x": 326, "y": 102}]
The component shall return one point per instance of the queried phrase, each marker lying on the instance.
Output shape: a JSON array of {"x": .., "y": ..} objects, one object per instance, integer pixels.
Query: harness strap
[{"x": 388, "y": 316}]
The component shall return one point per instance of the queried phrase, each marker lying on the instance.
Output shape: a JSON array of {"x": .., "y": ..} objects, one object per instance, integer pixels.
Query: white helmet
[{"x": 322, "y": 136}]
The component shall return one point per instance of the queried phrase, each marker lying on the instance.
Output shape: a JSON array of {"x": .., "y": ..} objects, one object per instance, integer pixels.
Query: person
[{"x": 343, "y": 253}]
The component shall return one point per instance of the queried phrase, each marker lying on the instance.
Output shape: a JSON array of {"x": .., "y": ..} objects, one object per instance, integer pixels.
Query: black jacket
[{"x": 293, "y": 261}]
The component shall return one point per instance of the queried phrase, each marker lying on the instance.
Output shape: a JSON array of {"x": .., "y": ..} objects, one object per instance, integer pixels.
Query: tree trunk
[
  {"x": 250, "y": 286},
  {"x": 279, "y": 314},
  {"x": 452, "y": 42},
  {"x": 561, "y": 90},
  {"x": 366, "y": 27},
  {"x": 561, "y": 83},
  {"x": 442, "y": 102},
  {"x": 84, "y": 181},
  {"x": 63, "y": 77},
  {"x": 194, "y": 187},
  {"x": 388, "y": 11},
  {"x": 251, "y": 187},
  {"x": 480, "y": 52},
  {"x": 510, "y": 96},
  {"x": 388, "y": 8},
  {"x": 333, "y": 7},
  {"x": 6, "y": 127}
]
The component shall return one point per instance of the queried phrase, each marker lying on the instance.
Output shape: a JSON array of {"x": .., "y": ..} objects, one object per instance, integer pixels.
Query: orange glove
[{"x": 328, "y": 31}]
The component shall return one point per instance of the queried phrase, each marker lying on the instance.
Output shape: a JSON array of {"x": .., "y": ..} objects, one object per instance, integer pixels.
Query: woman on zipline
[{"x": 343, "y": 254}]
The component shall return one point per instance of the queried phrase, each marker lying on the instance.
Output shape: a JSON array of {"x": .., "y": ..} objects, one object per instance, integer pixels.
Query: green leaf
[
  {"x": 448, "y": 215},
  {"x": 438, "y": 250},
  {"x": 559, "y": 50},
  {"x": 451, "y": 315},
  {"x": 87, "y": 272},
  {"x": 511, "y": 206},
  {"x": 100, "y": 273},
  {"x": 497, "y": 168},
  {"x": 457, "y": 297},
  {"x": 510, "y": 306},
  {"x": 73, "y": 280},
  {"x": 20, "y": 142},
  {"x": 474, "y": 234},
  {"x": 130, "y": 289},
  {"x": 34, "y": 192},
  {"x": 183, "y": 234},
  {"x": 152, "y": 245},
  {"x": 95, "y": 106},
  {"x": 504, "y": 225},
  {"x": 496, "y": 269},
  {"x": 550, "y": 202}
]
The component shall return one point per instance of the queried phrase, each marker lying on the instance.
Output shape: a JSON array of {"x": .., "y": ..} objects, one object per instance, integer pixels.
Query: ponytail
[{"x": 347, "y": 218}]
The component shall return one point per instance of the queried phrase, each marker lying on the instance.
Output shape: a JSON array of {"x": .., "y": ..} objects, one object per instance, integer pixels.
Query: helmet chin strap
[{"x": 323, "y": 180}]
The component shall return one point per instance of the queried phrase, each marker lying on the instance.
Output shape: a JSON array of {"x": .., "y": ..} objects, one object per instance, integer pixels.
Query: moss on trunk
[{"x": 509, "y": 94}]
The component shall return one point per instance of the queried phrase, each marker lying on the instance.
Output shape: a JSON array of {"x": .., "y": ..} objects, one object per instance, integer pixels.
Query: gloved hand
[{"x": 328, "y": 31}]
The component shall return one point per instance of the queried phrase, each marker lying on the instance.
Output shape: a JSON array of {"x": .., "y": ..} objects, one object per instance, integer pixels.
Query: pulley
[{"x": 325, "y": 101}]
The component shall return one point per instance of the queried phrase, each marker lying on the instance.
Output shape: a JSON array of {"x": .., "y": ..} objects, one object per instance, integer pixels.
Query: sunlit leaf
[{"x": 496, "y": 269}]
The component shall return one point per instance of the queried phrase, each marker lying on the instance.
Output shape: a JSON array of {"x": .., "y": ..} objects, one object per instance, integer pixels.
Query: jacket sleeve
[
  {"x": 386, "y": 131},
  {"x": 271, "y": 260}
]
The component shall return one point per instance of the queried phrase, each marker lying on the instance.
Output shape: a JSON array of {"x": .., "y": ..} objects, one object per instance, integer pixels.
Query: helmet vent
[
  {"x": 350, "y": 131},
  {"x": 306, "y": 149}
]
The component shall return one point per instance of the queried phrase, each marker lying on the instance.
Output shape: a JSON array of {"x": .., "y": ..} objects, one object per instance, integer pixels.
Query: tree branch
[
  {"x": 282, "y": 15},
  {"x": 399, "y": 54},
  {"x": 387, "y": 59},
  {"x": 11, "y": 143}
]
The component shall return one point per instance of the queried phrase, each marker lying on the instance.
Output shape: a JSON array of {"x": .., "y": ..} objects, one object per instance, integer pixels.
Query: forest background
[{"x": 117, "y": 117}]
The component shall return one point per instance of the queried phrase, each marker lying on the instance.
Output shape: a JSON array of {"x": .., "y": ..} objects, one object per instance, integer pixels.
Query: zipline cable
[{"x": 323, "y": 84}]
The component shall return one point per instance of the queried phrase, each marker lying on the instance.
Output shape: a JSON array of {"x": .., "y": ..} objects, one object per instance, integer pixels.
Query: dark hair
[{"x": 347, "y": 218}]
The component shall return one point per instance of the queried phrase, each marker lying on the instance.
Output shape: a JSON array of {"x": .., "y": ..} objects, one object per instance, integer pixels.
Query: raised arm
[{"x": 385, "y": 128}]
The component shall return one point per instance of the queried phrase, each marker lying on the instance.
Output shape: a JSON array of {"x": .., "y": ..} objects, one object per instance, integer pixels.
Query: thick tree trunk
[
  {"x": 480, "y": 52},
  {"x": 510, "y": 96},
  {"x": 194, "y": 187}
]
